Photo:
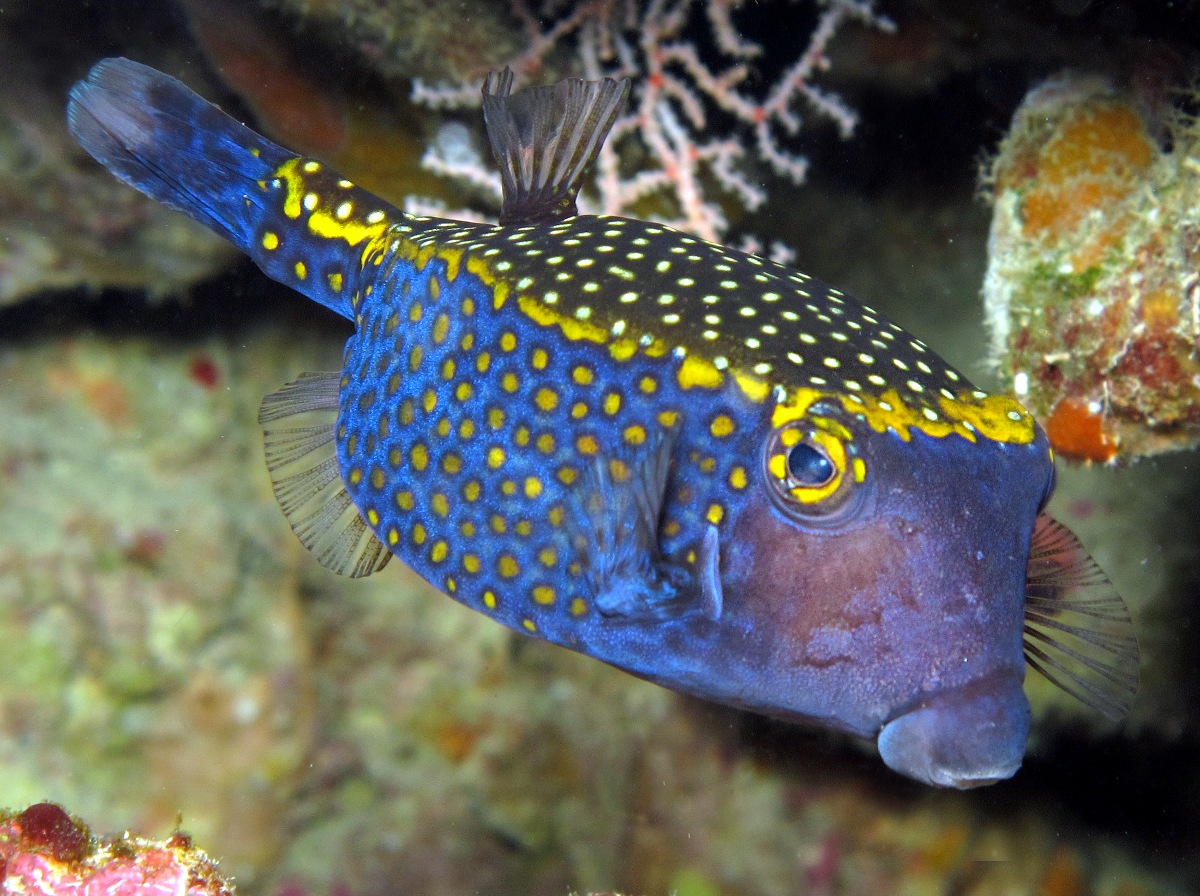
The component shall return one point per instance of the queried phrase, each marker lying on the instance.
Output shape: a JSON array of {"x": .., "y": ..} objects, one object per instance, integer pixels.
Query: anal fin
[
  {"x": 298, "y": 437},
  {"x": 617, "y": 511}
]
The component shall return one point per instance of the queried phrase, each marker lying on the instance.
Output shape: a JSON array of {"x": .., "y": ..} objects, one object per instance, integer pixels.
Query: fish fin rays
[
  {"x": 1078, "y": 632},
  {"x": 298, "y": 437},
  {"x": 544, "y": 138},
  {"x": 617, "y": 512}
]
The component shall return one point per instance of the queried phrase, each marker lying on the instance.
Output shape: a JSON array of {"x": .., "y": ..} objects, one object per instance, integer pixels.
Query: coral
[
  {"x": 1092, "y": 289},
  {"x": 46, "y": 852}
]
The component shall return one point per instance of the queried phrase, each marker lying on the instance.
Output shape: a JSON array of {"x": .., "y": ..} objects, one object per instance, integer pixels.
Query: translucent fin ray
[
  {"x": 544, "y": 138},
  {"x": 617, "y": 511},
  {"x": 1078, "y": 633},
  {"x": 298, "y": 437}
]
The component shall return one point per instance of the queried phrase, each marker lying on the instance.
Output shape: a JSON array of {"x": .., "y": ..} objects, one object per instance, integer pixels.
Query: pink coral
[{"x": 46, "y": 852}]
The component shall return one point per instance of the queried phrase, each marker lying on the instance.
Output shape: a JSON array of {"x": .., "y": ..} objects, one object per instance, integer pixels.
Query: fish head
[{"x": 890, "y": 561}]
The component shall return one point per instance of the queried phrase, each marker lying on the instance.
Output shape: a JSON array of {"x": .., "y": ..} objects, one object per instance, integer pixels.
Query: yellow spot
[
  {"x": 335, "y": 282},
  {"x": 508, "y": 341},
  {"x": 419, "y": 456},
  {"x": 439, "y": 551},
  {"x": 301, "y": 270},
  {"x": 579, "y": 410},
  {"x": 619, "y": 470},
  {"x": 668, "y": 418},
  {"x": 406, "y": 412},
  {"x": 467, "y": 529},
  {"x": 429, "y": 400},
  {"x": 715, "y": 513},
  {"x": 529, "y": 625},
  {"x": 393, "y": 537},
  {"x": 270, "y": 240},
  {"x": 405, "y": 500},
  {"x": 414, "y": 357},
  {"x": 648, "y": 384},
  {"x": 452, "y": 463},
  {"x": 377, "y": 478},
  {"x": 483, "y": 362},
  {"x": 441, "y": 327},
  {"x": 509, "y": 382},
  {"x": 546, "y": 443},
  {"x": 464, "y": 392},
  {"x": 451, "y": 585},
  {"x": 612, "y": 403},
  {"x": 548, "y": 556},
  {"x": 496, "y": 418},
  {"x": 695, "y": 372},
  {"x": 544, "y": 594},
  {"x": 754, "y": 388},
  {"x": 708, "y": 464},
  {"x": 635, "y": 435},
  {"x": 440, "y": 504},
  {"x": 356, "y": 475},
  {"x": 418, "y": 534},
  {"x": 471, "y": 490},
  {"x": 737, "y": 477},
  {"x": 859, "y": 468},
  {"x": 443, "y": 427},
  {"x": 495, "y": 457},
  {"x": 508, "y": 566},
  {"x": 522, "y": 436},
  {"x": 499, "y": 526},
  {"x": 586, "y": 445},
  {"x": 448, "y": 369},
  {"x": 466, "y": 429},
  {"x": 623, "y": 349},
  {"x": 671, "y": 528},
  {"x": 415, "y": 312},
  {"x": 508, "y": 487},
  {"x": 578, "y": 606},
  {"x": 567, "y": 475},
  {"x": 721, "y": 426},
  {"x": 556, "y": 515},
  {"x": 489, "y": 599},
  {"x": 540, "y": 359},
  {"x": 372, "y": 516},
  {"x": 583, "y": 375},
  {"x": 533, "y": 487},
  {"x": 523, "y": 527},
  {"x": 546, "y": 399},
  {"x": 470, "y": 563}
]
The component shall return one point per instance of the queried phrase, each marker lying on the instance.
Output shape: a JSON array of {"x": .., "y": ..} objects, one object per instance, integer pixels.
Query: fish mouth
[{"x": 966, "y": 737}]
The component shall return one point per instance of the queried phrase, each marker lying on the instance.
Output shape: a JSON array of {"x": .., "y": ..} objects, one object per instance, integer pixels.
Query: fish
[{"x": 712, "y": 471}]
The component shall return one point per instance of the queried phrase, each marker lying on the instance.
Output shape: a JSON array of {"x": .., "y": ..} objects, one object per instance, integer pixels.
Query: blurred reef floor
[{"x": 171, "y": 653}]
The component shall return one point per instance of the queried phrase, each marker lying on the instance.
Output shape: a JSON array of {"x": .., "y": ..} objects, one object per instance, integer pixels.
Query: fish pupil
[{"x": 808, "y": 465}]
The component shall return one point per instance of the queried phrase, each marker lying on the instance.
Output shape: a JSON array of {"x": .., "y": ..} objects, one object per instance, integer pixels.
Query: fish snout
[{"x": 966, "y": 737}]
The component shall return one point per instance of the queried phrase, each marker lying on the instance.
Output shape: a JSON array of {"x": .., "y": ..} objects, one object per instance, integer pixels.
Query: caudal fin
[
  {"x": 161, "y": 138},
  {"x": 300, "y": 222}
]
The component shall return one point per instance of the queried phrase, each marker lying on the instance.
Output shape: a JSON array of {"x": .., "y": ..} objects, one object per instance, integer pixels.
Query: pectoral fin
[
  {"x": 1077, "y": 629},
  {"x": 617, "y": 513}
]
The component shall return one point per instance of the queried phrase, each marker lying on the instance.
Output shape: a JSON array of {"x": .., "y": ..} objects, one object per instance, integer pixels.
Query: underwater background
[{"x": 174, "y": 659}]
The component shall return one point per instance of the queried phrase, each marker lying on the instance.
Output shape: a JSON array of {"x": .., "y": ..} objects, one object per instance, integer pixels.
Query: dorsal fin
[
  {"x": 1077, "y": 630},
  {"x": 298, "y": 436},
  {"x": 543, "y": 139}
]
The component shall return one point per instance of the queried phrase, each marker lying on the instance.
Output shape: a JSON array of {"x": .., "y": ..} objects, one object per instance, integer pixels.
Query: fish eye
[
  {"x": 814, "y": 473},
  {"x": 809, "y": 465}
]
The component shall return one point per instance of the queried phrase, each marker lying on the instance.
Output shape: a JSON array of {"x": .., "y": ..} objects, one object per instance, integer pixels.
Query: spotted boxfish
[{"x": 704, "y": 468}]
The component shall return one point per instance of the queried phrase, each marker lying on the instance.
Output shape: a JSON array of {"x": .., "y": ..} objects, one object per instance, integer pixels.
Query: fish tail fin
[{"x": 300, "y": 222}]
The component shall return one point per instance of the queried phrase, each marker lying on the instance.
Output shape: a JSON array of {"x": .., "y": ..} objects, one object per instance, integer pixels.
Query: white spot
[
  {"x": 795, "y": 358},
  {"x": 618, "y": 327},
  {"x": 762, "y": 368},
  {"x": 583, "y": 312},
  {"x": 310, "y": 201},
  {"x": 628, "y": 297},
  {"x": 720, "y": 362},
  {"x": 343, "y": 210},
  {"x": 670, "y": 318},
  {"x": 1021, "y": 382}
]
